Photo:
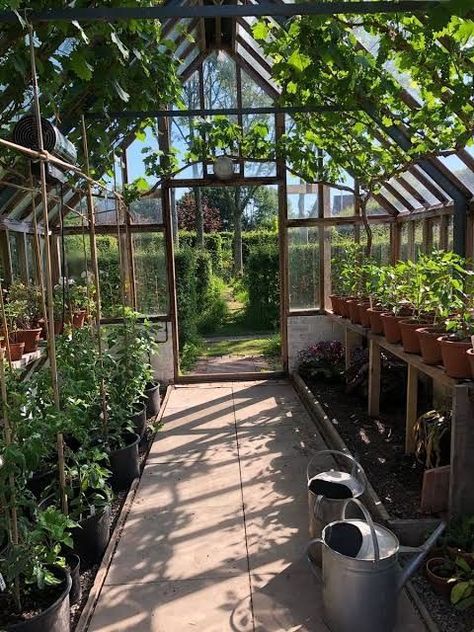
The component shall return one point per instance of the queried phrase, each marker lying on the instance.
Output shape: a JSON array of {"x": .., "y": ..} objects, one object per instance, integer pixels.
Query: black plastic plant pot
[
  {"x": 152, "y": 399},
  {"x": 56, "y": 618},
  {"x": 73, "y": 562},
  {"x": 125, "y": 464},
  {"x": 91, "y": 538},
  {"x": 40, "y": 480},
  {"x": 139, "y": 420}
]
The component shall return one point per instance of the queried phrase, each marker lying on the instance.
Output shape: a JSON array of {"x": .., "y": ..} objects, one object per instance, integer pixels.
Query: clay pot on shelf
[
  {"x": 344, "y": 305},
  {"x": 430, "y": 348},
  {"x": 375, "y": 320},
  {"x": 30, "y": 337},
  {"x": 410, "y": 340},
  {"x": 455, "y": 358},
  {"x": 336, "y": 304},
  {"x": 363, "y": 315},
  {"x": 470, "y": 359},
  {"x": 353, "y": 306},
  {"x": 439, "y": 572},
  {"x": 391, "y": 327},
  {"x": 17, "y": 350}
]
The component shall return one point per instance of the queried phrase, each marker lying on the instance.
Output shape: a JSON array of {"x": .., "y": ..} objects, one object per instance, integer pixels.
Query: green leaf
[
  {"x": 79, "y": 65},
  {"x": 299, "y": 61},
  {"x": 121, "y": 92},
  {"x": 260, "y": 30}
]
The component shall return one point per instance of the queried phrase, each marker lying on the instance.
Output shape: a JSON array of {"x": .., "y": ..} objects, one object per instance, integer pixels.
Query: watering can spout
[{"x": 412, "y": 566}]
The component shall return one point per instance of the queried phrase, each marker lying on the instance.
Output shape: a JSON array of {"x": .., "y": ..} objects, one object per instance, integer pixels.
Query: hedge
[
  {"x": 262, "y": 280},
  {"x": 186, "y": 294},
  {"x": 212, "y": 243}
]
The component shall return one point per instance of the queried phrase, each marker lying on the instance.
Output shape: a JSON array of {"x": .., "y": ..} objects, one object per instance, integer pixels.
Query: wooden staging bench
[{"x": 461, "y": 484}]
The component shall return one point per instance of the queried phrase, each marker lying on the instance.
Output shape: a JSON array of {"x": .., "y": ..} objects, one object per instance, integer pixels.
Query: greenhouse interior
[{"x": 237, "y": 316}]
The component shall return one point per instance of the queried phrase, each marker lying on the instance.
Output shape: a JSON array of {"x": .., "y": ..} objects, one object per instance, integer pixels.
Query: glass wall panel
[
  {"x": 341, "y": 203},
  {"x": 340, "y": 238},
  {"x": 303, "y": 268},
  {"x": 147, "y": 211},
  {"x": 418, "y": 237},
  {"x": 14, "y": 256},
  {"x": 381, "y": 248},
  {"x": 149, "y": 256},
  {"x": 436, "y": 232},
  {"x": 403, "y": 253}
]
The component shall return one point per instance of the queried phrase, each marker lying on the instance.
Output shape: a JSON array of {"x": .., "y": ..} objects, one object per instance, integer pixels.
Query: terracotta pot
[
  {"x": 336, "y": 304},
  {"x": 16, "y": 351},
  {"x": 78, "y": 319},
  {"x": 455, "y": 359},
  {"x": 391, "y": 327},
  {"x": 363, "y": 315},
  {"x": 30, "y": 337},
  {"x": 429, "y": 345},
  {"x": 344, "y": 305},
  {"x": 375, "y": 320},
  {"x": 470, "y": 359},
  {"x": 410, "y": 340},
  {"x": 354, "y": 311},
  {"x": 440, "y": 584}
]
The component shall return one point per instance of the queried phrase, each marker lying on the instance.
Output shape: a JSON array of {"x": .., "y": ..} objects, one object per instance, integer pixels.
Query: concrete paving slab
[
  {"x": 181, "y": 544},
  {"x": 172, "y": 448},
  {"x": 204, "y": 605},
  {"x": 194, "y": 397},
  {"x": 169, "y": 486}
]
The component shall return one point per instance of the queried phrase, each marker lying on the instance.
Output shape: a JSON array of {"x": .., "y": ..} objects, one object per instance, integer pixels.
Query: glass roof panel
[
  {"x": 460, "y": 170},
  {"x": 409, "y": 198}
]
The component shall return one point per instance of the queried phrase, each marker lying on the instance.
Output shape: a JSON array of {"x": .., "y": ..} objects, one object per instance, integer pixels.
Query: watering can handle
[
  {"x": 370, "y": 522},
  {"x": 355, "y": 464}
]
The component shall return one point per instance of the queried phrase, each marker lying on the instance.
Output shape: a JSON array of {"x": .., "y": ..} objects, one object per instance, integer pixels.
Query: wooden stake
[
  {"x": 49, "y": 282},
  {"x": 39, "y": 262}
]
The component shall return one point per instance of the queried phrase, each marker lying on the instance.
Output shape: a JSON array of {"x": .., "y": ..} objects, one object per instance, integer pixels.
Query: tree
[{"x": 187, "y": 210}]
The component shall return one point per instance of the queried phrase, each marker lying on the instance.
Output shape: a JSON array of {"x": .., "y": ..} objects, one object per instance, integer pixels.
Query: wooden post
[
  {"x": 351, "y": 340},
  {"x": 461, "y": 488},
  {"x": 283, "y": 245},
  {"x": 412, "y": 409},
  {"x": 6, "y": 256},
  {"x": 395, "y": 234},
  {"x": 375, "y": 367}
]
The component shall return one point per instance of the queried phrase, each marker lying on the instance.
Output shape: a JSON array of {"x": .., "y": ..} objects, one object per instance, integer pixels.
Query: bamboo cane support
[
  {"x": 13, "y": 517},
  {"x": 39, "y": 262},
  {"x": 49, "y": 282},
  {"x": 95, "y": 270}
]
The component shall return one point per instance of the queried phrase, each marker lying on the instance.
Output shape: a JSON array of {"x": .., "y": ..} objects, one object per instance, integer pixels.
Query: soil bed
[
  {"x": 378, "y": 444},
  {"x": 88, "y": 577}
]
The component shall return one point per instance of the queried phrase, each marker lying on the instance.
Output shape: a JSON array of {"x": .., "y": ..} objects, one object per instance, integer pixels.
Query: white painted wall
[
  {"x": 162, "y": 361},
  {"x": 305, "y": 330}
]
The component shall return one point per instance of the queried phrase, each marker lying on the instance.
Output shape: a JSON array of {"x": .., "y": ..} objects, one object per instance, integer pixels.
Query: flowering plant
[{"x": 324, "y": 360}]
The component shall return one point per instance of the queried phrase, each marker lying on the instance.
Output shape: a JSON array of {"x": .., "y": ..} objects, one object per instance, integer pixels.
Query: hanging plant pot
[
  {"x": 410, "y": 340},
  {"x": 152, "y": 399},
  {"x": 91, "y": 537},
  {"x": 78, "y": 319},
  {"x": 391, "y": 327},
  {"x": 30, "y": 337},
  {"x": 73, "y": 563},
  {"x": 354, "y": 311},
  {"x": 55, "y": 617},
  {"x": 16, "y": 351},
  {"x": 429, "y": 344},
  {"x": 125, "y": 464},
  {"x": 336, "y": 304},
  {"x": 139, "y": 420},
  {"x": 363, "y": 315},
  {"x": 455, "y": 359},
  {"x": 375, "y": 321},
  {"x": 470, "y": 359}
]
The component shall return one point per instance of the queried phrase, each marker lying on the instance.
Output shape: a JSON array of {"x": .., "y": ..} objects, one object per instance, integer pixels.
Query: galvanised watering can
[
  {"x": 361, "y": 576},
  {"x": 329, "y": 487}
]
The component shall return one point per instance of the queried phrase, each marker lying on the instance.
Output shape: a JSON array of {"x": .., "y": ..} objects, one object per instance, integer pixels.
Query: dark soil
[
  {"x": 33, "y": 603},
  {"x": 88, "y": 577},
  {"x": 378, "y": 444}
]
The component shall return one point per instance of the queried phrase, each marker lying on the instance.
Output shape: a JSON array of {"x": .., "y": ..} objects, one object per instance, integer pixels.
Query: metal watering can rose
[
  {"x": 329, "y": 487},
  {"x": 361, "y": 576}
]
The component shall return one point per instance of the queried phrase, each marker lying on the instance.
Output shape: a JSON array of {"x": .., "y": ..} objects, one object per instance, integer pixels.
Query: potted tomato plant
[{"x": 28, "y": 329}]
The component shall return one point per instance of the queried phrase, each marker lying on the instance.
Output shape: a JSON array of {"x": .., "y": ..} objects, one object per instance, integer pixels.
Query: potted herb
[
  {"x": 417, "y": 291},
  {"x": 393, "y": 299}
]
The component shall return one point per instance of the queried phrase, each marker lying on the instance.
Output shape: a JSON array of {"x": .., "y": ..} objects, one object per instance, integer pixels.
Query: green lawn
[{"x": 265, "y": 346}]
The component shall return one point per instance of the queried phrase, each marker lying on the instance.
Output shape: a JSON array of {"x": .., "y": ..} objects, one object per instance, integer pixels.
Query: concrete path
[{"x": 215, "y": 540}]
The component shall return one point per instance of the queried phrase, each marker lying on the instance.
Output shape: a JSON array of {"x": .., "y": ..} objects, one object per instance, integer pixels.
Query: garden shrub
[
  {"x": 303, "y": 263},
  {"x": 186, "y": 294},
  {"x": 262, "y": 280},
  {"x": 216, "y": 310},
  {"x": 212, "y": 243},
  {"x": 203, "y": 277}
]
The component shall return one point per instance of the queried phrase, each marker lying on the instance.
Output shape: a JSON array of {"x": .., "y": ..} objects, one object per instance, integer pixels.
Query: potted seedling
[
  {"x": 416, "y": 290},
  {"x": 456, "y": 343},
  {"x": 441, "y": 573},
  {"x": 28, "y": 329},
  {"x": 81, "y": 303},
  {"x": 393, "y": 299},
  {"x": 14, "y": 315}
]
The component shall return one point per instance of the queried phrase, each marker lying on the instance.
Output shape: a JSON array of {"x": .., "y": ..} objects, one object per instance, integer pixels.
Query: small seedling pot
[
  {"x": 429, "y": 344},
  {"x": 16, "y": 351},
  {"x": 375, "y": 320},
  {"x": 91, "y": 537},
  {"x": 470, "y": 359},
  {"x": 30, "y": 337},
  {"x": 363, "y": 314},
  {"x": 391, "y": 327},
  {"x": 152, "y": 399},
  {"x": 441, "y": 585},
  {"x": 56, "y": 617},
  {"x": 455, "y": 358},
  {"x": 336, "y": 304},
  {"x": 125, "y": 464},
  {"x": 353, "y": 307},
  {"x": 410, "y": 340}
]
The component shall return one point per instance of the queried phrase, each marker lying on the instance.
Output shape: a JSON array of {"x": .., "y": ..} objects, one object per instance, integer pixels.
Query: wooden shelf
[{"x": 461, "y": 492}]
